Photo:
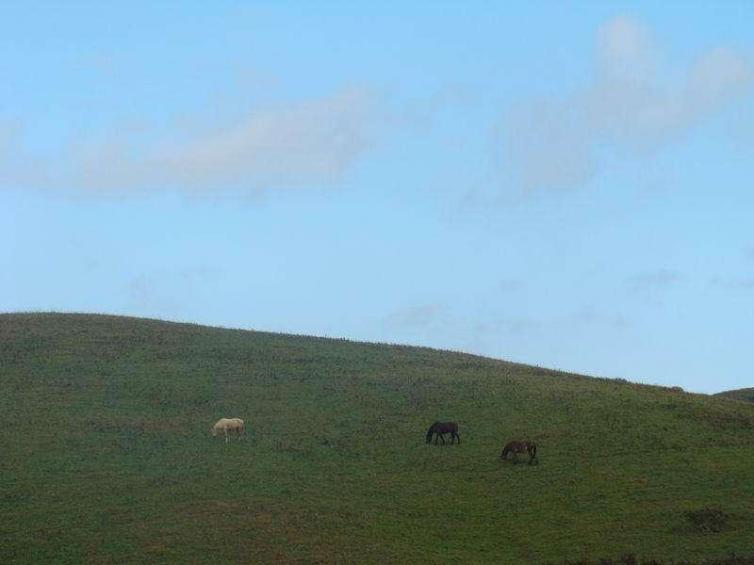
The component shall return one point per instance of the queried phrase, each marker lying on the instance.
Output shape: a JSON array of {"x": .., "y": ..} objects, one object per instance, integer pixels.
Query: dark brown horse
[
  {"x": 516, "y": 447},
  {"x": 439, "y": 429}
]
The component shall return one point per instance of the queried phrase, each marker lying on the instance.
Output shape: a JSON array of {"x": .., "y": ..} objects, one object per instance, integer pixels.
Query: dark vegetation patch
[{"x": 709, "y": 519}]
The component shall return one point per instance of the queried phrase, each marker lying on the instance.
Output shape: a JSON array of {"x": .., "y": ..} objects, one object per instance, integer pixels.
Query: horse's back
[
  {"x": 229, "y": 423},
  {"x": 516, "y": 446},
  {"x": 445, "y": 427},
  {"x": 520, "y": 446}
]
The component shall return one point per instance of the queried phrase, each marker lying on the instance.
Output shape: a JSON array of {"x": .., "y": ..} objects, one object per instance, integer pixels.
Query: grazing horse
[
  {"x": 516, "y": 447},
  {"x": 442, "y": 428},
  {"x": 228, "y": 425}
]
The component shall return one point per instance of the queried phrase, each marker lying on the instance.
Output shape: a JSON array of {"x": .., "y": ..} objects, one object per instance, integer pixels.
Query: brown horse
[
  {"x": 516, "y": 447},
  {"x": 439, "y": 429}
]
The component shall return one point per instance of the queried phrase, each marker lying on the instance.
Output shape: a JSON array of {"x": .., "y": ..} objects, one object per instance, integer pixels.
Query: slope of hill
[
  {"x": 106, "y": 454},
  {"x": 745, "y": 394}
]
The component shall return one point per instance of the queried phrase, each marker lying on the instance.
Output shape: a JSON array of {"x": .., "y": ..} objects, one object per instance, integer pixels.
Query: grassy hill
[
  {"x": 745, "y": 394},
  {"x": 105, "y": 453}
]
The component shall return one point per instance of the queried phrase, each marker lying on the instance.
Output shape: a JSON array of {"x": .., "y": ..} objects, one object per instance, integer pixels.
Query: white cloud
[
  {"x": 312, "y": 142},
  {"x": 626, "y": 51},
  {"x": 633, "y": 104}
]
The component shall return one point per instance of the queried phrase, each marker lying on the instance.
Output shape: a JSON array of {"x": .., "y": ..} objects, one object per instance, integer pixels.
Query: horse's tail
[
  {"x": 533, "y": 450},
  {"x": 506, "y": 451},
  {"x": 429, "y": 433}
]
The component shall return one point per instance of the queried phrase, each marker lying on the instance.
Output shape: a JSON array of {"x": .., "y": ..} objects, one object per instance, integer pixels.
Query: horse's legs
[
  {"x": 226, "y": 436},
  {"x": 442, "y": 437}
]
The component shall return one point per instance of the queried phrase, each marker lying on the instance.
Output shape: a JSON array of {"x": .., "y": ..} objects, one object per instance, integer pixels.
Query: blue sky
[{"x": 563, "y": 184}]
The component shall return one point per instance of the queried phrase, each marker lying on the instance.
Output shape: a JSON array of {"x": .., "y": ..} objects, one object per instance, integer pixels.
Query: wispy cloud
[
  {"x": 311, "y": 142},
  {"x": 510, "y": 285},
  {"x": 421, "y": 112},
  {"x": 497, "y": 326},
  {"x": 634, "y": 104},
  {"x": 654, "y": 280},
  {"x": 591, "y": 316},
  {"x": 469, "y": 330},
  {"x": 166, "y": 290},
  {"x": 419, "y": 316},
  {"x": 17, "y": 166},
  {"x": 740, "y": 283}
]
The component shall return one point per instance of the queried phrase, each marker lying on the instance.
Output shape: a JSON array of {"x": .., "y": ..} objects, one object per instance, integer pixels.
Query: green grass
[
  {"x": 745, "y": 394},
  {"x": 106, "y": 456}
]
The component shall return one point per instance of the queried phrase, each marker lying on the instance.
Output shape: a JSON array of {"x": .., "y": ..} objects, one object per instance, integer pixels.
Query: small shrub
[{"x": 709, "y": 519}]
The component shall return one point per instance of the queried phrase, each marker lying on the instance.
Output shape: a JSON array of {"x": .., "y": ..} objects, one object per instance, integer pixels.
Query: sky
[{"x": 565, "y": 184}]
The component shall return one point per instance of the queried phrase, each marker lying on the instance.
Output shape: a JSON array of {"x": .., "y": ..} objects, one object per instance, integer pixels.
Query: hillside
[
  {"x": 106, "y": 454},
  {"x": 745, "y": 394}
]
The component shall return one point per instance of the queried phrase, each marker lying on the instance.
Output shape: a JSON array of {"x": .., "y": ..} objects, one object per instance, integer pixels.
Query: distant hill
[
  {"x": 746, "y": 394},
  {"x": 106, "y": 456}
]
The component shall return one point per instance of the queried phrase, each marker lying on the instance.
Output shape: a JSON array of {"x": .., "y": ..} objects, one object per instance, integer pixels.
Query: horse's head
[{"x": 430, "y": 431}]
